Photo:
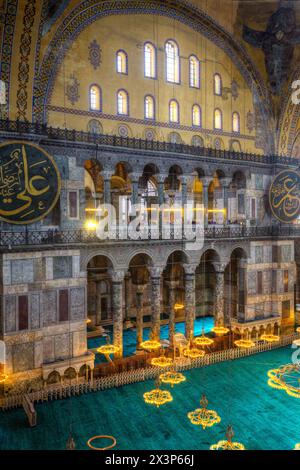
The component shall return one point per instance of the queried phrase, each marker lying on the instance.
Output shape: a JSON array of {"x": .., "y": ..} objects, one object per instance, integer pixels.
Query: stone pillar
[
  {"x": 134, "y": 177},
  {"x": 172, "y": 300},
  {"x": 117, "y": 297},
  {"x": 139, "y": 314},
  {"x": 155, "y": 274},
  {"x": 98, "y": 303},
  {"x": 190, "y": 301},
  {"x": 127, "y": 297},
  {"x": 184, "y": 181},
  {"x": 220, "y": 319},
  {"x": 107, "y": 186},
  {"x": 225, "y": 182},
  {"x": 160, "y": 187},
  {"x": 205, "y": 185}
]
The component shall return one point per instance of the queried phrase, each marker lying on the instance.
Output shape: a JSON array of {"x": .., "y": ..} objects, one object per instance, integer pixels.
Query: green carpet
[{"x": 262, "y": 417}]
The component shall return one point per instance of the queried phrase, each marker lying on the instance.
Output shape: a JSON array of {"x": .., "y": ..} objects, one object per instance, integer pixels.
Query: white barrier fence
[{"x": 56, "y": 392}]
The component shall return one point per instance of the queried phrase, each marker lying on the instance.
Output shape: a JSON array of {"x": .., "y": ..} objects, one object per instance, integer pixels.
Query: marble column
[
  {"x": 205, "y": 184},
  {"x": 225, "y": 182},
  {"x": 98, "y": 303},
  {"x": 172, "y": 300},
  {"x": 139, "y": 314},
  {"x": 190, "y": 301},
  {"x": 107, "y": 186},
  {"x": 155, "y": 274},
  {"x": 220, "y": 319},
  {"x": 127, "y": 297},
  {"x": 160, "y": 187},
  {"x": 134, "y": 177},
  {"x": 117, "y": 297}
]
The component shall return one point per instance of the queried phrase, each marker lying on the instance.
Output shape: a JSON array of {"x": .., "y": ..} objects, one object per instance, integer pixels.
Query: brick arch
[{"x": 89, "y": 11}]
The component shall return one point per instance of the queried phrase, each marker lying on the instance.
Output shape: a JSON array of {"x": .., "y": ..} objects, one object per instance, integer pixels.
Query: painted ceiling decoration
[{"x": 277, "y": 42}]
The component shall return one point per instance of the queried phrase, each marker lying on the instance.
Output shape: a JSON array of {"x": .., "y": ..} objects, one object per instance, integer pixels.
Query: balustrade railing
[
  {"x": 81, "y": 236},
  {"x": 71, "y": 135}
]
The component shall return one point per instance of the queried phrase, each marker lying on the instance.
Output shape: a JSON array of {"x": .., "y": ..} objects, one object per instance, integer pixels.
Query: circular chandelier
[
  {"x": 162, "y": 361},
  {"x": 270, "y": 338},
  {"x": 92, "y": 439},
  {"x": 244, "y": 343},
  {"x": 220, "y": 330},
  {"x": 172, "y": 378},
  {"x": 193, "y": 353},
  {"x": 157, "y": 396},
  {"x": 3, "y": 378},
  {"x": 203, "y": 341},
  {"x": 202, "y": 416},
  {"x": 228, "y": 445},
  {"x": 286, "y": 378},
  {"x": 108, "y": 349},
  {"x": 150, "y": 345}
]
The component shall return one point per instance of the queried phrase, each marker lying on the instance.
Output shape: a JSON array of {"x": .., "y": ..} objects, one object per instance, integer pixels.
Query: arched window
[
  {"x": 235, "y": 122},
  {"x": 194, "y": 65},
  {"x": 196, "y": 115},
  {"x": 95, "y": 98},
  {"x": 218, "y": 119},
  {"x": 149, "y": 107},
  {"x": 173, "y": 111},
  {"x": 149, "y": 60},
  {"x": 217, "y": 84},
  {"x": 122, "y": 102},
  {"x": 122, "y": 62},
  {"x": 172, "y": 62}
]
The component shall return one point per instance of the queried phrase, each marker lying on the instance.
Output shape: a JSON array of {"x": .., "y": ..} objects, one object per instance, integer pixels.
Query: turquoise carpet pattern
[{"x": 262, "y": 417}]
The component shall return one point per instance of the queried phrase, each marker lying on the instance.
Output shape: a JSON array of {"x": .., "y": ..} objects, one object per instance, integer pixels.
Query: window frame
[
  {"x": 221, "y": 115},
  {"x": 126, "y": 61},
  {"x": 166, "y": 63},
  {"x": 200, "y": 111},
  {"x": 69, "y": 205},
  {"x": 178, "y": 111},
  {"x": 221, "y": 84},
  {"x": 99, "y": 110},
  {"x": 153, "y": 102},
  {"x": 235, "y": 113},
  {"x": 154, "y": 77},
  {"x": 127, "y": 97},
  {"x": 193, "y": 56}
]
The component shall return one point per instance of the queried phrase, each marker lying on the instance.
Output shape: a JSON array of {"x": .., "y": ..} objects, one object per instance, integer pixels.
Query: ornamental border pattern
[
  {"x": 117, "y": 117},
  {"x": 90, "y": 10},
  {"x": 7, "y": 47},
  {"x": 25, "y": 48}
]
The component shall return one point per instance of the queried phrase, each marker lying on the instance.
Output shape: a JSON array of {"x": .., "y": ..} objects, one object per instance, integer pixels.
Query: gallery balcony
[{"x": 24, "y": 238}]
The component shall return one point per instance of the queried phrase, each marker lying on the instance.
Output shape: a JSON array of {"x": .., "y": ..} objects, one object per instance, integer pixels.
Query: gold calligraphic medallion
[
  {"x": 29, "y": 183},
  {"x": 284, "y": 196}
]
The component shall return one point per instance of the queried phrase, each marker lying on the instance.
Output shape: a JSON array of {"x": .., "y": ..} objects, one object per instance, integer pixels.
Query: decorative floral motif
[
  {"x": 72, "y": 91},
  {"x": 250, "y": 121},
  {"x": 95, "y": 54},
  {"x": 123, "y": 131},
  {"x": 149, "y": 134}
]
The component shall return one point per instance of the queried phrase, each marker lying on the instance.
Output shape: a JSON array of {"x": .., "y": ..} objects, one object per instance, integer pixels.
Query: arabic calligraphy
[
  {"x": 29, "y": 183},
  {"x": 284, "y": 196}
]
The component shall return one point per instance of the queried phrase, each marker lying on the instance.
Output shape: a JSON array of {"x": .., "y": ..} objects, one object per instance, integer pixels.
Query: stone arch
[
  {"x": 84, "y": 14},
  {"x": 86, "y": 258},
  {"x": 53, "y": 378}
]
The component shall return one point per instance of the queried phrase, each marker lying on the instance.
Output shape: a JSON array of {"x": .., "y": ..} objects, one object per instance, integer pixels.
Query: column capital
[
  {"x": 220, "y": 266},
  {"x": 117, "y": 276},
  {"x": 160, "y": 177},
  {"x": 156, "y": 272},
  {"x": 206, "y": 180},
  {"x": 107, "y": 174},
  {"x": 134, "y": 177},
  {"x": 225, "y": 182},
  {"x": 189, "y": 269}
]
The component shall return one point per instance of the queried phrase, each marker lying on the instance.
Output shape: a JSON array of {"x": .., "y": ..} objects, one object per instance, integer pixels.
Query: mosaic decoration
[
  {"x": 197, "y": 141},
  {"x": 95, "y": 54},
  {"x": 25, "y": 48},
  {"x": 94, "y": 127},
  {"x": 234, "y": 89},
  {"x": 123, "y": 131},
  {"x": 72, "y": 90},
  {"x": 250, "y": 121},
  {"x": 29, "y": 183},
  {"x": 284, "y": 196},
  {"x": 278, "y": 43},
  {"x": 6, "y": 51}
]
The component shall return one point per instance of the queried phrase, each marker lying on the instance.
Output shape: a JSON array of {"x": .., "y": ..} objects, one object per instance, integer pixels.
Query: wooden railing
[{"x": 55, "y": 392}]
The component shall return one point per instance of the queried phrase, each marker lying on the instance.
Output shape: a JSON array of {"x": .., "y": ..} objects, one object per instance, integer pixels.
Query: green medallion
[{"x": 29, "y": 182}]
